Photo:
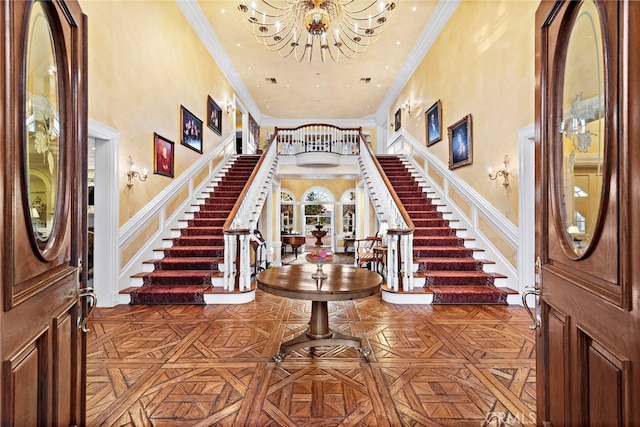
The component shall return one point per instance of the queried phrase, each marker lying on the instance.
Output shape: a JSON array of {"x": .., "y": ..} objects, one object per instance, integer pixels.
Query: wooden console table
[{"x": 342, "y": 283}]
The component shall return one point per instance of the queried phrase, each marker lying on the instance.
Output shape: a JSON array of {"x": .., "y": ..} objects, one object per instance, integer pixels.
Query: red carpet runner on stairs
[
  {"x": 452, "y": 274},
  {"x": 185, "y": 272}
]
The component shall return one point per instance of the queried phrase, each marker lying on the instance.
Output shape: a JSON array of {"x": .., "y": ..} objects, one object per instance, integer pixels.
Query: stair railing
[
  {"x": 242, "y": 220},
  {"x": 389, "y": 208}
]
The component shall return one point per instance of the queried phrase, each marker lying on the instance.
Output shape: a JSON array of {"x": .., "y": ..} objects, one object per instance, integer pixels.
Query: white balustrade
[{"x": 318, "y": 138}]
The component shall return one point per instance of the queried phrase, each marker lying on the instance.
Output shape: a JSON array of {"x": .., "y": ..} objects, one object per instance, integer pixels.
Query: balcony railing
[{"x": 307, "y": 141}]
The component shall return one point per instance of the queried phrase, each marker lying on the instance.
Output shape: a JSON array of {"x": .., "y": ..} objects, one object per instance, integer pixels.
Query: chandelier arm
[
  {"x": 293, "y": 49},
  {"x": 345, "y": 45},
  {"x": 350, "y": 36},
  {"x": 307, "y": 47},
  {"x": 278, "y": 39},
  {"x": 348, "y": 23},
  {"x": 371, "y": 4},
  {"x": 289, "y": 5}
]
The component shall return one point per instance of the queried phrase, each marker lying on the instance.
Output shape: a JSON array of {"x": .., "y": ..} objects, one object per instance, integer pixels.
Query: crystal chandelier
[{"x": 301, "y": 27}]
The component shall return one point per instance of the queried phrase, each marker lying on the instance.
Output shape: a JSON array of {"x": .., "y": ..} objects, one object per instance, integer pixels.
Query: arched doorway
[{"x": 318, "y": 213}]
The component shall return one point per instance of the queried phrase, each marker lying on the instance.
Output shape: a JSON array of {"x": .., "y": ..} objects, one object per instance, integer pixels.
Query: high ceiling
[{"x": 316, "y": 90}]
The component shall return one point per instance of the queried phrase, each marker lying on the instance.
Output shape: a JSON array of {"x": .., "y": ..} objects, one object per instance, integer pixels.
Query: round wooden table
[{"x": 343, "y": 282}]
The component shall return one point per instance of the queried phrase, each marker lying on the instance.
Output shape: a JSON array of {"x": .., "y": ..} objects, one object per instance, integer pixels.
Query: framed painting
[
  {"x": 214, "y": 116},
  {"x": 191, "y": 130},
  {"x": 163, "y": 158},
  {"x": 434, "y": 123},
  {"x": 397, "y": 120},
  {"x": 460, "y": 143}
]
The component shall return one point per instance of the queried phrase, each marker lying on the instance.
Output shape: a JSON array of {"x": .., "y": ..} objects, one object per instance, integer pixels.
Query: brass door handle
[
  {"x": 86, "y": 293},
  {"x": 531, "y": 290}
]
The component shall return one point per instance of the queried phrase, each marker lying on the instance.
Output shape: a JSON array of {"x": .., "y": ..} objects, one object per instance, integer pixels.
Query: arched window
[{"x": 318, "y": 194}]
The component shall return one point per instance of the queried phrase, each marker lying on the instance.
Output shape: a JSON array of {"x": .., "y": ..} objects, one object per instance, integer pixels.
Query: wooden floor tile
[{"x": 213, "y": 365}]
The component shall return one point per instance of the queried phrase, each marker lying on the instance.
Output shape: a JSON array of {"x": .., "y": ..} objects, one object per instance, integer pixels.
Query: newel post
[{"x": 236, "y": 257}]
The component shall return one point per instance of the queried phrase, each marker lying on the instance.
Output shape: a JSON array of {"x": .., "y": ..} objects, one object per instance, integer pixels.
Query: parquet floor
[{"x": 212, "y": 366}]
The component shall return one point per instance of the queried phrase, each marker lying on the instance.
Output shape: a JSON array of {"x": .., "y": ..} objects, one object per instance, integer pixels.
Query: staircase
[
  {"x": 186, "y": 268},
  {"x": 451, "y": 272}
]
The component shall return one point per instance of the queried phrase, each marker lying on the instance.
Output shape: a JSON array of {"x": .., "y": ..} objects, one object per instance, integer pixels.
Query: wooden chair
[
  {"x": 258, "y": 244},
  {"x": 364, "y": 250}
]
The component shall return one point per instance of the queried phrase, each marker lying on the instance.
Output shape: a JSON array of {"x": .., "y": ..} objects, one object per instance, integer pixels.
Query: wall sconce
[
  {"x": 133, "y": 173},
  {"x": 231, "y": 108},
  {"x": 407, "y": 107},
  {"x": 504, "y": 172}
]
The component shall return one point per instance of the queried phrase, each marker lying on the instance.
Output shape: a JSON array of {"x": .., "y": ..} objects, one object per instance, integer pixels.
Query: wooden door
[
  {"x": 43, "y": 191},
  {"x": 587, "y": 233}
]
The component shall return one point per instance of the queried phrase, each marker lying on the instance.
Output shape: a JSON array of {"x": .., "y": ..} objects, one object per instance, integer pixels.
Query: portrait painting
[
  {"x": 163, "y": 156},
  {"x": 214, "y": 116},
  {"x": 191, "y": 135},
  {"x": 460, "y": 143},
  {"x": 434, "y": 123},
  {"x": 397, "y": 121}
]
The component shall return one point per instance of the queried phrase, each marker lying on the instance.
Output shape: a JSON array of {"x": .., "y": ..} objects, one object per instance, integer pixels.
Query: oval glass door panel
[
  {"x": 42, "y": 119},
  {"x": 582, "y": 130}
]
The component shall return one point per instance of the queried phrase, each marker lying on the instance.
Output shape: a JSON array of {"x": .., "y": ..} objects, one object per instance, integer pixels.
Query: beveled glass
[
  {"x": 582, "y": 130},
  {"x": 42, "y": 122}
]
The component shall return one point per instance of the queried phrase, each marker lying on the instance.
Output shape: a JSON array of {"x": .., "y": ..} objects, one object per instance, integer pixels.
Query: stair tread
[
  {"x": 465, "y": 288},
  {"x": 193, "y": 247},
  {"x": 176, "y": 273},
  {"x": 165, "y": 288},
  {"x": 451, "y": 259},
  {"x": 445, "y": 248},
  {"x": 185, "y": 259},
  {"x": 460, "y": 273}
]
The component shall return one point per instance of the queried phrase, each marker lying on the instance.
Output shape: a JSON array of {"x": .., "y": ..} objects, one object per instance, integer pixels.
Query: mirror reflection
[
  {"x": 582, "y": 129},
  {"x": 42, "y": 123}
]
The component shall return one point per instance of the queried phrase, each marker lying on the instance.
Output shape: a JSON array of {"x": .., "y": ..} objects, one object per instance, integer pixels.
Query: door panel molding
[
  {"x": 41, "y": 351},
  {"x": 588, "y": 363}
]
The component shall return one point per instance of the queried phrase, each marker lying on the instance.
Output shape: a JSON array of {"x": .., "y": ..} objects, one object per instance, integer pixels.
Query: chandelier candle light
[{"x": 300, "y": 27}]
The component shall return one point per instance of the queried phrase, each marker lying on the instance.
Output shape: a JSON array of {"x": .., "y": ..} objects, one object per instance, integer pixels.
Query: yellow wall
[
  {"x": 481, "y": 64},
  {"x": 144, "y": 62}
]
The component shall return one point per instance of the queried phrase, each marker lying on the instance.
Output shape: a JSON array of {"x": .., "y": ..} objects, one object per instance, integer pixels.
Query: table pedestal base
[{"x": 319, "y": 335}]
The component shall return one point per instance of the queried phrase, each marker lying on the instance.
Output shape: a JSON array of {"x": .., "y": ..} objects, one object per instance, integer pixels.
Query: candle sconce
[
  {"x": 504, "y": 172},
  {"x": 133, "y": 173}
]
